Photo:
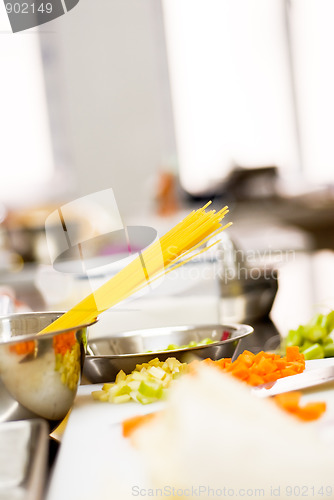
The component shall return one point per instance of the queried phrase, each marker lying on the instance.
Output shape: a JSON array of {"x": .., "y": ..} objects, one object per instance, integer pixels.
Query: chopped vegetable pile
[
  {"x": 146, "y": 384},
  {"x": 149, "y": 381},
  {"x": 315, "y": 339},
  {"x": 263, "y": 367}
]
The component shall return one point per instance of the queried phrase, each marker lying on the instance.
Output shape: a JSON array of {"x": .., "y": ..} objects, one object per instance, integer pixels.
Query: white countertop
[{"x": 96, "y": 462}]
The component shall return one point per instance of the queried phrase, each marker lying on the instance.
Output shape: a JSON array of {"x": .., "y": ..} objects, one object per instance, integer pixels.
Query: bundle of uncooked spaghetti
[{"x": 175, "y": 248}]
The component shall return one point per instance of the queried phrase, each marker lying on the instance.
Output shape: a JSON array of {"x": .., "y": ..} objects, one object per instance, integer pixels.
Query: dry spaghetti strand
[{"x": 169, "y": 252}]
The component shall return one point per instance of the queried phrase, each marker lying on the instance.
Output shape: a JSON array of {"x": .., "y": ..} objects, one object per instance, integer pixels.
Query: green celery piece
[
  {"x": 150, "y": 389},
  {"x": 294, "y": 337},
  {"x": 123, "y": 390},
  {"x": 172, "y": 347},
  {"x": 144, "y": 400},
  {"x": 330, "y": 321},
  {"x": 317, "y": 320},
  {"x": 306, "y": 344},
  {"x": 206, "y": 341},
  {"x": 315, "y": 333},
  {"x": 329, "y": 350},
  {"x": 315, "y": 351}
]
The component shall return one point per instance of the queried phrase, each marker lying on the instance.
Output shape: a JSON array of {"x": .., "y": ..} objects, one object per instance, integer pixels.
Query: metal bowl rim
[
  {"x": 237, "y": 326},
  {"x": 34, "y": 336}
]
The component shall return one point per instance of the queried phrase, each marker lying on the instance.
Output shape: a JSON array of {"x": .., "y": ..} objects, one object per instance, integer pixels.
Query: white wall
[{"x": 112, "y": 76}]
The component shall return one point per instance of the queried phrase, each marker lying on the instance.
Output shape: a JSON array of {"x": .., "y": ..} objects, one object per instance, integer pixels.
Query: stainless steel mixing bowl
[
  {"x": 39, "y": 374},
  {"x": 110, "y": 354}
]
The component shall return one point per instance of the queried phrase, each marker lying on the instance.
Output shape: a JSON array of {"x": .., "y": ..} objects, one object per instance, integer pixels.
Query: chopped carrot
[
  {"x": 269, "y": 377},
  {"x": 311, "y": 411},
  {"x": 263, "y": 367},
  {"x": 224, "y": 363},
  {"x": 64, "y": 342},
  {"x": 131, "y": 424},
  {"x": 27, "y": 347},
  {"x": 286, "y": 372},
  {"x": 255, "y": 379},
  {"x": 208, "y": 361},
  {"x": 290, "y": 402},
  {"x": 292, "y": 353}
]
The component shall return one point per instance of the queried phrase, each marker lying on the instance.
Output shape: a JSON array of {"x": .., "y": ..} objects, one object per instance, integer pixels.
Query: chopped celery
[
  {"x": 124, "y": 398},
  {"x": 150, "y": 389},
  {"x": 305, "y": 345},
  {"x": 315, "y": 351},
  {"x": 330, "y": 321},
  {"x": 146, "y": 384},
  {"x": 293, "y": 338},
  {"x": 100, "y": 395},
  {"x": 329, "y": 350},
  {"x": 318, "y": 332},
  {"x": 192, "y": 343},
  {"x": 315, "y": 333}
]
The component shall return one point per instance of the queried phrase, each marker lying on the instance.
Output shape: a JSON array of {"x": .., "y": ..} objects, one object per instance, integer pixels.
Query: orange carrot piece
[
  {"x": 287, "y": 372},
  {"x": 271, "y": 377},
  {"x": 292, "y": 353},
  {"x": 131, "y": 424},
  {"x": 290, "y": 402},
  {"x": 27, "y": 347},
  {"x": 255, "y": 379},
  {"x": 311, "y": 411},
  {"x": 223, "y": 363}
]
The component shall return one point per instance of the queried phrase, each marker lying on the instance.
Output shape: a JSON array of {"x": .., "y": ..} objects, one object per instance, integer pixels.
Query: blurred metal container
[
  {"x": 245, "y": 293},
  {"x": 123, "y": 351},
  {"x": 23, "y": 459},
  {"x": 39, "y": 374}
]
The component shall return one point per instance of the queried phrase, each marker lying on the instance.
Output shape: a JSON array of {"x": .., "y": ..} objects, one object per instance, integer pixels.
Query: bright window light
[
  {"x": 312, "y": 48},
  {"x": 231, "y": 87},
  {"x": 26, "y": 156}
]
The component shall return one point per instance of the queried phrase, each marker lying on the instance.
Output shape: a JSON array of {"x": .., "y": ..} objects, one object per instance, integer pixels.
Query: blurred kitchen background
[{"x": 170, "y": 103}]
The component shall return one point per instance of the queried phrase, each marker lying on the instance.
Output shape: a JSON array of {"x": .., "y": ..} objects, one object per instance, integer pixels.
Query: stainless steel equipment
[
  {"x": 39, "y": 374},
  {"x": 246, "y": 292},
  {"x": 23, "y": 459},
  {"x": 123, "y": 351}
]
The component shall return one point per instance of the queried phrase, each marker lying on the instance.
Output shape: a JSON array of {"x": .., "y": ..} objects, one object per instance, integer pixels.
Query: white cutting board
[{"x": 96, "y": 463}]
